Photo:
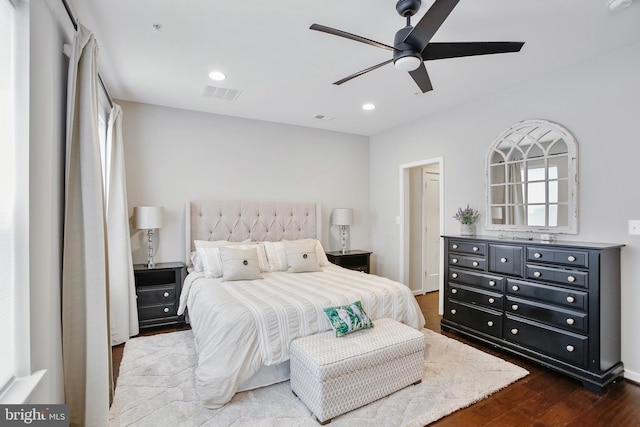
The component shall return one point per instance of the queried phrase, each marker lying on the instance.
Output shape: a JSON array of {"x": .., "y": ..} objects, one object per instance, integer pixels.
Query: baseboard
[{"x": 632, "y": 376}]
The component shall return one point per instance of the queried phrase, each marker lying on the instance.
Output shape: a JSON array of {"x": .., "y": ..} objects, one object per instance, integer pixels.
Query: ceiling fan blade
[
  {"x": 421, "y": 77},
  {"x": 359, "y": 73},
  {"x": 349, "y": 36},
  {"x": 459, "y": 49},
  {"x": 422, "y": 33}
]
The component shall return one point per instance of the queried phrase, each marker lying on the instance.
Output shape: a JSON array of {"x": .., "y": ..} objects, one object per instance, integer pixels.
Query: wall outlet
[{"x": 634, "y": 227}]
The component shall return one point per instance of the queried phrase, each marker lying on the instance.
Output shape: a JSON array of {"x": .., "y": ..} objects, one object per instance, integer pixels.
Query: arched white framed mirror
[{"x": 532, "y": 179}]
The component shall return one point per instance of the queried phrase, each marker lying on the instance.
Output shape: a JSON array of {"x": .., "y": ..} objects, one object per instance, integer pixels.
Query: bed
[{"x": 244, "y": 321}]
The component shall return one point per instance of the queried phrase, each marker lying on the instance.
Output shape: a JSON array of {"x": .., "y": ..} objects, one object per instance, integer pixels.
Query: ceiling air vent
[{"x": 221, "y": 93}]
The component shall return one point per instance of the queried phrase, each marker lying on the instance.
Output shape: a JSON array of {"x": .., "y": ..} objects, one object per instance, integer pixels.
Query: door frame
[{"x": 404, "y": 222}]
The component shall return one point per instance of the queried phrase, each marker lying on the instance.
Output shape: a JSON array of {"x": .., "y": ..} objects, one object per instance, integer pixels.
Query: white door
[{"x": 431, "y": 236}]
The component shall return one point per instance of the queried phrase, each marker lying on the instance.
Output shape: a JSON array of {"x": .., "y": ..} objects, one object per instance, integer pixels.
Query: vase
[{"x": 467, "y": 229}]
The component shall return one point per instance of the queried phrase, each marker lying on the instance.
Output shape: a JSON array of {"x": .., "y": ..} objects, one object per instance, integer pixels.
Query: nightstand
[
  {"x": 158, "y": 290},
  {"x": 353, "y": 260}
]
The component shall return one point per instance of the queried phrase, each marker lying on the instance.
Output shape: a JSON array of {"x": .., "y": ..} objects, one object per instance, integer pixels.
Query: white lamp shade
[
  {"x": 148, "y": 217},
  {"x": 342, "y": 216}
]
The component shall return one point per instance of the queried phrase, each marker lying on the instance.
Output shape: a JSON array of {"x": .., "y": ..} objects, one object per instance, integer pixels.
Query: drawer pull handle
[
  {"x": 476, "y": 263},
  {"x": 537, "y": 274},
  {"x": 570, "y": 321},
  {"x": 514, "y": 307},
  {"x": 454, "y": 291},
  {"x": 476, "y": 249},
  {"x": 571, "y": 258},
  {"x": 571, "y": 299},
  {"x": 454, "y": 260},
  {"x": 492, "y": 282},
  {"x": 515, "y": 288},
  {"x": 166, "y": 294},
  {"x": 166, "y": 309},
  {"x": 454, "y": 246},
  {"x": 571, "y": 279},
  {"x": 514, "y": 331},
  {"x": 454, "y": 275},
  {"x": 503, "y": 260},
  {"x": 537, "y": 255},
  {"x": 570, "y": 348},
  {"x": 453, "y": 311},
  {"x": 489, "y": 323},
  {"x": 491, "y": 300}
]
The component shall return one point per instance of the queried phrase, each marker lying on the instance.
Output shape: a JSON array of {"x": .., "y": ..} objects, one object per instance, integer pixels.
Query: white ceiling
[{"x": 285, "y": 71}]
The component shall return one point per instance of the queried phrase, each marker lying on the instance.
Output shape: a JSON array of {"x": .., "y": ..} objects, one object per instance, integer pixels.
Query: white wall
[
  {"x": 174, "y": 156},
  {"x": 50, "y": 29},
  {"x": 596, "y": 100}
]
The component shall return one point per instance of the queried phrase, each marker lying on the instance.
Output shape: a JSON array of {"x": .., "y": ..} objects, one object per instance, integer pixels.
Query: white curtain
[
  {"x": 122, "y": 293},
  {"x": 85, "y": 323}
]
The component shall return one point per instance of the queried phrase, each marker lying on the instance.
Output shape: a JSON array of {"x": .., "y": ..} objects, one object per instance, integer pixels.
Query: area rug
[{"x": 156, "y": 388}]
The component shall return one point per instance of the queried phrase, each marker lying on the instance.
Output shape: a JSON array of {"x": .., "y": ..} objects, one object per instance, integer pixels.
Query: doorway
[{"x": 421, "y": 226}]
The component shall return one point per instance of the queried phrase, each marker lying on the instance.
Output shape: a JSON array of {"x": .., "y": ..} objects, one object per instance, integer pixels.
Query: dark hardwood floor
[{"x": 543, "y": 398}]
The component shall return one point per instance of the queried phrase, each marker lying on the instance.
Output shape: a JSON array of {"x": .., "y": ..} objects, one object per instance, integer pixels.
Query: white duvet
[{"x": 241, "y": 326}]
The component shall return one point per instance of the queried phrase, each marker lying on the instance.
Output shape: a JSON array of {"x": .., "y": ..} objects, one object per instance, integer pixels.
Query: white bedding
[{"x": 241, "y": 326}]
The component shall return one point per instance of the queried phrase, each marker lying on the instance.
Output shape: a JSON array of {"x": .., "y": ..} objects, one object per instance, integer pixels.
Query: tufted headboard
[{"x": 258, "y": 221}]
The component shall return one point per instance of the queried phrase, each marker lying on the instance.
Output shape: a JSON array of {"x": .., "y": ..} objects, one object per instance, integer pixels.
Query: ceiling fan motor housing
[
  {"x": 402, "y": 49},
  {"x": 408, "y": 7}
]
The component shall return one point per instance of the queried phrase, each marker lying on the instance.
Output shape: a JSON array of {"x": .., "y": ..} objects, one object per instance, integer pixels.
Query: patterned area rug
[{"x": 156, "y": 388}]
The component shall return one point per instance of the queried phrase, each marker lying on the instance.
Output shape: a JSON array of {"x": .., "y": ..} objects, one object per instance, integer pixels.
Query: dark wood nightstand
[
  {"x": 158, "y": 290},
  {"x": 353, "y": 260}
]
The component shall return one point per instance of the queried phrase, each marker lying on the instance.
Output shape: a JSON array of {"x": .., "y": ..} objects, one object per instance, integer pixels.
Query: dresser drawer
[
  {"x": 157, "y": 311},
  {"x": 505, "y": 259},
  {"x": 574, "y": 321},
  {"x": 563, "y": 345},
  {"x": 570, "y": 298},
  {"x": 493, "y": 283},
  {"x": 152, "y": 295},
  {"x": 474, "y": 296},
  {"x": 558, "y": 275},
  {"x": 480, "y": 319},
  {"x": 558, "y": 256},
  {"x": 468, "y": 247},
  {"x": 477, "y": 263}
]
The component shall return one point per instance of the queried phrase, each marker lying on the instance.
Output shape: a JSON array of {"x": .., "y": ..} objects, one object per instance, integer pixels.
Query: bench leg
[
  {"x": 324, "y": 422},
  {"x": 417, "y": 382}
]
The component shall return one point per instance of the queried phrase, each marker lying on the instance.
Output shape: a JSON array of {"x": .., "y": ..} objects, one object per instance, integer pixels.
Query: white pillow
[
  {"x": 278, "y": 259},
  {"x": 212, "y": 264},
  {"x": 239, "y": 264},
  {"x": 301, "y": 256},
  {"x": 198, "y": 258}
]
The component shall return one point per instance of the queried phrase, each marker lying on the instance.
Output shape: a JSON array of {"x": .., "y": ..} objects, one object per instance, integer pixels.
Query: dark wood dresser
[
  {"x": 158, "y": 290},
  {"x": 557, "y": 304}
]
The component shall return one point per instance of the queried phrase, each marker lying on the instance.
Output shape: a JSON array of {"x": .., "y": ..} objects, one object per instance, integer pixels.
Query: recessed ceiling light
[
  {"x": 217, "y": 75},
  {"x": 368, "y": 106}
]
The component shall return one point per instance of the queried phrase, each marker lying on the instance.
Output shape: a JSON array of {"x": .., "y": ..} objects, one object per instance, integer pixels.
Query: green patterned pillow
[{"x": 348, "y": 318}]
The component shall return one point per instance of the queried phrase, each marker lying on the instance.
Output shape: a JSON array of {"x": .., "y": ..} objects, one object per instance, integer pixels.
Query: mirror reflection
[{"x": 531, "y": 179}]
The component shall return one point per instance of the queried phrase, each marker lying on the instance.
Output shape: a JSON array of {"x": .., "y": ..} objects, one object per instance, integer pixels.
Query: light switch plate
[{"x": 634, "y": 227}]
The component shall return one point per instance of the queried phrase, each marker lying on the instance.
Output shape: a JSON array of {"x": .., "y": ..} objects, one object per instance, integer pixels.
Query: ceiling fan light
[{"x": 407, "y": 63}]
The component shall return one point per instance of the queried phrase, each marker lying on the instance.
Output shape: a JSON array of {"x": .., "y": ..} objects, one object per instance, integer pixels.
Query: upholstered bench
[{"x": 333, "y": 375}]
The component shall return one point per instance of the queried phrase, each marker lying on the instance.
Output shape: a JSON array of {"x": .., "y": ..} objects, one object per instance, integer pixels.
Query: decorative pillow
[
  {"x": 348, "y": 318},
  {"x": 278, "y": 259},
  {"x": 301, "y": 256},
  {"x": 239, "y": 264},
  {"x": 208, "y": 255}
]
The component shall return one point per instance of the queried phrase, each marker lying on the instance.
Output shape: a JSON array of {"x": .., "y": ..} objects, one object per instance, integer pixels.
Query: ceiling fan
[{"x": 411, "y": 46}]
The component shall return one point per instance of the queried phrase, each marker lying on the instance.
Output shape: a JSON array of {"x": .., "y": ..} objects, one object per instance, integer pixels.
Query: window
[{"x": 7, "y": 191}]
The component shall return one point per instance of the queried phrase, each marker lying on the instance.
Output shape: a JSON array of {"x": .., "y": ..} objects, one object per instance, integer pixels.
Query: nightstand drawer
[
  {"x": 151, "y": 295},
  {"x": 157, "y": 311},
  {"x": 155, "y": 277},
  {"x": 353, "y": 260}
]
